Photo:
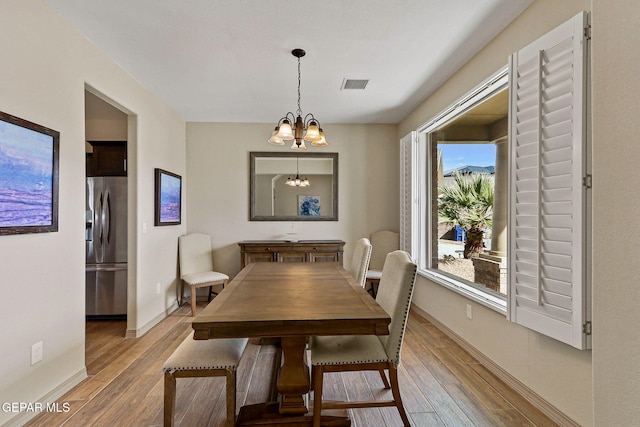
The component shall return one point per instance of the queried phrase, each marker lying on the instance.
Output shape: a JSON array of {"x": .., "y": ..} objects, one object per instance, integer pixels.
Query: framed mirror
[{"x": 293, "y": 186}]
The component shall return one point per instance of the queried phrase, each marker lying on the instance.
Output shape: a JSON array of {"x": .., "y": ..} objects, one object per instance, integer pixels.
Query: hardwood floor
[{"x": 441, "y": 384}]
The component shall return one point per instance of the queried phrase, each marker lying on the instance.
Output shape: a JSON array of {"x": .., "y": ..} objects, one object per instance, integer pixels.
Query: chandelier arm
[
  {"x": 310, "y": 118},
  {"x": 289, "y": 116}
]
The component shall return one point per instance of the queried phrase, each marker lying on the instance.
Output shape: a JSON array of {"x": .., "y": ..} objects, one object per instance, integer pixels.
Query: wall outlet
[
  {"x": 158, "y": 288},
  {"x": 36, "y": 353},
  {"x": 469, "y": 312},
  {"x": 144, "y": 228}
]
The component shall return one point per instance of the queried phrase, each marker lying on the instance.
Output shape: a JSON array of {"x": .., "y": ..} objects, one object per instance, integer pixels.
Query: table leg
[
  {"x": 293, "y": 382},
  {"x": 293, "y": 386}
]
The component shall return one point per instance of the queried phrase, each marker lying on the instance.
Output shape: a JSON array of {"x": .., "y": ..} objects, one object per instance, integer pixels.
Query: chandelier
[
  {"x": 297, "y": 181},
  {"x": 294, "y": 127}
]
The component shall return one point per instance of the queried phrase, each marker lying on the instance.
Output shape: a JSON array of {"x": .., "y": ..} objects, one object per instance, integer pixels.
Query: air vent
[{"x": 354, "y": 84}]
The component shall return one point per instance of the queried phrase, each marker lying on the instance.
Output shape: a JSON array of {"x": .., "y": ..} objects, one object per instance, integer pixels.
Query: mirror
[{"x": 271, "y": 198}]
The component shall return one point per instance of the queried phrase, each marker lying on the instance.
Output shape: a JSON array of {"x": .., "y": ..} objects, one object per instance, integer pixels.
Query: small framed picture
[
  {"x": 308, "y": 205},
  {"x": 168, "y": 198},
  {"x": 29, "y": 156}
]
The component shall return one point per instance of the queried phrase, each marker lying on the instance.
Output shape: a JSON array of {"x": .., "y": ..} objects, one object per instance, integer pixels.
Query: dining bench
[{"x": 203, "y": 358}]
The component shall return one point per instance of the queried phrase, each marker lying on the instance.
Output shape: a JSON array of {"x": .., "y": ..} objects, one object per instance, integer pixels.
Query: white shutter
[
  {"x": 408, "y": 194},
  {"x": 548, "y": 282}
]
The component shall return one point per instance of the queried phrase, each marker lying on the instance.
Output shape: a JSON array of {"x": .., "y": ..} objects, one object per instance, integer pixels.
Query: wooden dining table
[{"x": 290, "y": 301}]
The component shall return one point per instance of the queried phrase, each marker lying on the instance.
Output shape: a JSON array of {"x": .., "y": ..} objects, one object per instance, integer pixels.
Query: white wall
[
  {"x": 557, "y": 372},
  {"x": 616, "y": 203},
  {"x": 218, "y": 186},
  {"x": 45, "y": 66}
]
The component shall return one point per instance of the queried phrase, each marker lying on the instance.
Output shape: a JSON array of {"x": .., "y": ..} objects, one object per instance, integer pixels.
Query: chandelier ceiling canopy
[{"x": 294, "y": 127}]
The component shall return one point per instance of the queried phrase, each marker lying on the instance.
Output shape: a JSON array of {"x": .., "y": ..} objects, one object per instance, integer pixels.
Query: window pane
[{"x": 469, "y": 158}]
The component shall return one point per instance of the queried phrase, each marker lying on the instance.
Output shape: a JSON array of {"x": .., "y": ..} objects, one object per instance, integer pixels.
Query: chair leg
[
  {"x": 181, "y": 293},
  {"x": 193, "y": 300},
  {"x": 169, "y": 398},
  {"x": 317, "y": 394},
  {"x": 384, "y": 379},
  {"x": 373, "y": 290},
  {"x": 231, "y": 397},
  {"x": 395, "y": 390}
]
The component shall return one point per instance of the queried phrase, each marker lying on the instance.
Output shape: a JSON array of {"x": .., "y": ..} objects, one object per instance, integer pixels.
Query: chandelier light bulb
[
  {"x": 321, "y": 141},
  {"x": 285, "y": 133},
  {"x": 275, "y": 140},
  {"x": 295, "y": 145}
]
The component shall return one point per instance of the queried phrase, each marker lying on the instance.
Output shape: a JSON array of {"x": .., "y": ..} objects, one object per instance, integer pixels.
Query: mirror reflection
[{"x": 294, "y": 186}]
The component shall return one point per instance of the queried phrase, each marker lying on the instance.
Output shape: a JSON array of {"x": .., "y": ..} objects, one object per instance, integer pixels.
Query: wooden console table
[{"x": 288, "y": 251}]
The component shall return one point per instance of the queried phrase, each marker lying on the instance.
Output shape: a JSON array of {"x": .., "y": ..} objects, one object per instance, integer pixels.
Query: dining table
[{"x": 290, "y": 302}]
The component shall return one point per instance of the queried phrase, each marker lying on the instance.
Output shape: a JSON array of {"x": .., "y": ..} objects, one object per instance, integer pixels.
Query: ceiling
[{"x": 230, "y": 60}]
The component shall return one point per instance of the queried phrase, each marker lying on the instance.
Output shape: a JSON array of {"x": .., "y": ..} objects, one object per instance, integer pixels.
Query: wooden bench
[{"x": 203, "y": 358}]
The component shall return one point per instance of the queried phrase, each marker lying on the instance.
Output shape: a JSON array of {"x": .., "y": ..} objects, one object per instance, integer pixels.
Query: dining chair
[
  {"x": 360, "y": 260},
  {"x": 369, "y": 352},
  {"x": 203, "y": 358},
  {"x": 383, "y": 242},
  {"x": 196, "y": 267}
]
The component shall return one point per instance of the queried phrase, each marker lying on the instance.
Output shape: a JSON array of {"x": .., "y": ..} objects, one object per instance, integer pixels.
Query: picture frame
[
  {"x": 168, "y": 198},
  {"x": 29, "y": 176},
  {"x": 308, "y": 205}
]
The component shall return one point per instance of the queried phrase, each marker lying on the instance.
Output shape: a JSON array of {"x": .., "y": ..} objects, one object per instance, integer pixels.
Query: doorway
[{"x": 107, "y": 214}]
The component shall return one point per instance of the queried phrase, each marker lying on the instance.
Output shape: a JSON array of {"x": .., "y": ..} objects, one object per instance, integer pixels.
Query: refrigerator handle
[
  {"x": 100, "y": 216},
  {"x": 88, "y": 228},
  {"x": 107, "y": 216}
]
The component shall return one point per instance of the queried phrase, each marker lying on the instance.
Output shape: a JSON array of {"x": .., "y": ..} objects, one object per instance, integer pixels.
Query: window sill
[{"x": 494, "y": 302}]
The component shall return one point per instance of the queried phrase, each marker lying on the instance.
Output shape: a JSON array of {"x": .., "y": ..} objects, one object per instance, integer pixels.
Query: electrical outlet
[
  {"x": 469, "y": 312},
  {"x": 36, "y": 353},
  {"x": 144, "y": 228},
  {"x": 158, "y": 288}
]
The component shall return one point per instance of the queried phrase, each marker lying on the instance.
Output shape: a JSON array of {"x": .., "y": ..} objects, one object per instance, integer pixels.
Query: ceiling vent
[{"x": 354, "y": 84}]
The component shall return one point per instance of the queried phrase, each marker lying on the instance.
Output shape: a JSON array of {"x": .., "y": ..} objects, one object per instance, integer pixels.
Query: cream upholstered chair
[
  {"x": 203, "y": 358},
  {"x": 360, "y": 260},
  {"x": 196, "y": 266},
  {"x": 369, "y": 352},
  {"x": 383, "y": 242}
]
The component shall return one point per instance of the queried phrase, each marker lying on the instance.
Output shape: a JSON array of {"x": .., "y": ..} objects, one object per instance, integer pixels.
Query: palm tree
[{"x": 469, "y": 205}]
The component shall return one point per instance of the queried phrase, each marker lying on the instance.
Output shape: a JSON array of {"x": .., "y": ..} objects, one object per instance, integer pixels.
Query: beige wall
[
  {"x": 218, "y": 186},
  {"x": 45, "y": 66},
  {"x": 557, "y": 372},
  {"x": 616, "y": 203}
]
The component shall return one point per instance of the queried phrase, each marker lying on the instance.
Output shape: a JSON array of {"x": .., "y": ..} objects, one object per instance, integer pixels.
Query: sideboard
[{"x": 289, "y": 251}]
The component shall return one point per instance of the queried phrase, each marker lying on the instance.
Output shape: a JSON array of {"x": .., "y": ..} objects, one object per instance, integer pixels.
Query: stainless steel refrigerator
[{"x": 106, "y": 245}]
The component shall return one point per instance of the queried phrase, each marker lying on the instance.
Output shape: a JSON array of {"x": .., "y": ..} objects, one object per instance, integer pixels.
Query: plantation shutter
[
  {"x": 408, "y": 196},
  {"x": 548, "y": 281}
]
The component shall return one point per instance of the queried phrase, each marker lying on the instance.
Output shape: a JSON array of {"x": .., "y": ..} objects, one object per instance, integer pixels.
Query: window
[
  {"x": 534, "y": 232},
  {"x": 472, "y": 127}
]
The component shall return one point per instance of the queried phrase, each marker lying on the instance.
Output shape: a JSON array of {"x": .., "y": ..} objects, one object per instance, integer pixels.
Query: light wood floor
[{"x": 441, "y": 384}]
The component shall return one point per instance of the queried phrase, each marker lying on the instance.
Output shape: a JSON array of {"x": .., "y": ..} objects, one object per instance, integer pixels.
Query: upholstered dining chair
[
  {"x": 360, "y": 260},
  {"x": 369, "y": 352},
  {"x": 196, "y": 266},
  {"x": 205, "y": 358},
  {"x": 383, "y": 242}
]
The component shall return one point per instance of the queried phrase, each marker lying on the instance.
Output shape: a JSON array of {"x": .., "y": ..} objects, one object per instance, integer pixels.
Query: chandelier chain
[{"x": 299, "y": 111}]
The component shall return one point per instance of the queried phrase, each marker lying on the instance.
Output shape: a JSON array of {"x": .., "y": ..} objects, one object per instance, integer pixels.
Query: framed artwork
[
  {"x": 168, "y": 198},
  {"x": 308, "y": 205},
  {"x": 29, "y": 155}
]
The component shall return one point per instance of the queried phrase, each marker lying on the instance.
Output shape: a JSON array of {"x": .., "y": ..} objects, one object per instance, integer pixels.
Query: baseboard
[
  {"x": 137, "y": 333},
  {"x": 545, "y": 407},
  {"x": 49, "y": 398}
]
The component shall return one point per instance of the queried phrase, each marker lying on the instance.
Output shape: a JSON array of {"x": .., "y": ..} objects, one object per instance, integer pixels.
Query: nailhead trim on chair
[
  {"x": 352, "y": 362},
  {"x": 396, "y": 362}
]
